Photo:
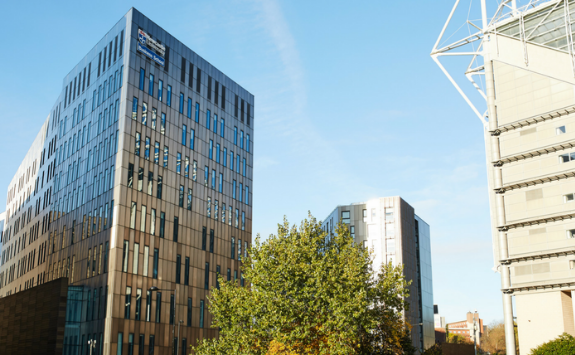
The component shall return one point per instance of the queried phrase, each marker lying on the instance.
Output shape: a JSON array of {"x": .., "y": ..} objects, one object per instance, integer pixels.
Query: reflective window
[{"x": 142, "y": 78}]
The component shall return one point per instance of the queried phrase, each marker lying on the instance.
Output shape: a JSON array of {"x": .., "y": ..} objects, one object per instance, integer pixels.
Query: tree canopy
[
  {"x": 311, "y": 293},
  {"x": 563, "y": 345}
]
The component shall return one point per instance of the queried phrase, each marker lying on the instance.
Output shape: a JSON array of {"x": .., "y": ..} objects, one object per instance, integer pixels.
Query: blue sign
[{"x": 150, "y": 53}]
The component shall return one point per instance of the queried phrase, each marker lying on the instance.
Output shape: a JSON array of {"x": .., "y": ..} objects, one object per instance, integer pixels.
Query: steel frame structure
[{"x": 507, "y": 12}]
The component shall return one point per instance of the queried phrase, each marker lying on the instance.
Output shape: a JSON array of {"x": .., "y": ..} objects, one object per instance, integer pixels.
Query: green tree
[
  {"x": 563, "y": 345},
  {"x": 311, "y": 293}
]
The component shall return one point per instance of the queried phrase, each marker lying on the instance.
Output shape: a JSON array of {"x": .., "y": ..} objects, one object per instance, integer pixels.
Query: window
[
  {"x": 181, "y": 196},
  {"x": 365, "y": 215},
  {"x": 178, "y": 267},
  {"x": 210, "y": 152},
  {"x": 243, "y": 220},
  {"x": 187, "y": 271},
  {"x": 153, "y": 222},
  {"x": 212, "y": 237},
  {"x": 234, "y": 189},
  {"x": 138, "y": 303},
  {"x": 143, "y": 219},
  {"x": 147, "y": 149},
  {"x": 127, "y": 302},
  {"x": 225, "y": 156},
  {"x": 247, "y": 143},
  {"x": 120, "y": 343},
  {"x": 233, "y": 248},
  {"x": 239, "y": 250},
  {"x": 206, "y": 176},
  {"x": 244, "y": 167},
  {"x": 130, "y": 174},
  {"x": 217, "y": 153},
  {"x": 135, "y": 108},
  {"x": 154, "y": 117},
  {"x": 169, "y": 96},
  {"x": 222, "y": 127},
  {"x": 184, "y": 132},
  {"x": 151, "y": 85},
  {"x": 231, "y": 160},
  {"x": 187, "y": 167},
  {"x": 189, "y": 206},
  {"x": 236, "y": 135},
  {"x": 160, "y": 89},
  {"x": 150, "y": 182},
  {"x": 352, "y": 231},
  {"x": 345, "y": 217},
  {"x": 247, "y": 195},
  {"x": 181, "y": 103},
  {"x": 223, "y": 213},
  {"x": 568, "y": 198},
  {"x": 218, "y": 270},
  {"x": 565, "y": 158},
  {"x": 201, "y": 313},
  {"x": 213, "y": 179},
  {"x": 189, "y": 108},
  {"x": 158, "y": 306},
  {"x": 157, "y": 153},
  {"x": 209, "y": 207},
  {"x": 238, "y": 163},
  {"x": 144, "y": 113},
  {"x": 215, "y": 123},
  {"x": 179, "y": 163},
  {"x": 162, "y": 223},
  {"x": 221, "y": 183},
  {"x": 571, "y": 264},
  {"x": 241, "y": 191},
  {"x": 137, "y": 150},
  {"x": 166, "y": 153},
  {"x": 194, "y": 171},
  {"x": 172, "y": 308},
  {"x": 208, "y": 118},
  {"x": 192, "y": 138},
  {"x": 242, "y": 139},
  {"x": 132, "y": 216},
  {"x": 146, "y": 259},
  {"x": 142, "y": 78},
  {"x": 141, "y": 350},
  {"x": 389, "y": 214},
  {"x": 151, "y": 345},
  {"x": 229, "y": 275},
  {"x": 237, "y": 218},
  {"x": 560, "y": 130},
  {"x": 155, "y": 269},
  {"x": 207, "y": 277},
  {"x": 140, "y": 179}
]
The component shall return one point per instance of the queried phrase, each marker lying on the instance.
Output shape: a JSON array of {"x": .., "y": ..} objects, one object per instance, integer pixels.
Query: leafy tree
[
  {"x": 457, "y": 339},
  {"x": 311, "y": 293},
  {"x": 563, "y": 345},
  {"x": 434, "y": 350}
]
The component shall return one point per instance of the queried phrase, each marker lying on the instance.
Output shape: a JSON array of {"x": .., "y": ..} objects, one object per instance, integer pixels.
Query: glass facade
[{"x": 61, "y": 216}]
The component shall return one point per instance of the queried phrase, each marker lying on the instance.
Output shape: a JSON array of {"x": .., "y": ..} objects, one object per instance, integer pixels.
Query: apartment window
[
  {"x": 201, "y": 313},
  {"x": 155, "y": 266},
  {"x": 212, "y": 237},
  {"x": 142, "y": 78},
  {"x": 352, "y": 231},
  {"x": 181, "y": 103},
  {"x": 151, "y": 85},
  {"x": 146, "y": 259},
  {"x": 389, "y": 214},
  {"x": 162, "y": 224},
  {"x": 157, "y": 153},
  {"x": 207, "y": 277},
  {"x": 178, "y": 267},
  {"x": 192, "y": 139},
  {"x": 147, "y": 149},
  {"x": 189, "y": 323},
  {"x": 565, "y": 158},
  {"x": 184, "y": 133},
  {"x": 160, "y": 89},
  {"x": 132, "y": 216},
  {"x": 204, "y": 236},
  {"x": 179, "y": 163},
  {"x": 158, "y": 306},
  {"x": 233, "y": 248},
  {"x": 159, "y": 187},
  {"x": 153, "y": 222},
  {"x": 560, "y": 130},
  {"x": 189, "y": 205},
  {"x": 127, "y": 302},
  {"x": 166, "y": 153},
  {"x": 176, "y": 227},
  {"x": 169, "y": 96},
  {"x": 138, "y": 303},
  {"x": 345, "y": 217},
  {"x": 172, "y": 308},
  {"x": 137, "y": 150},
  {"x": 187, "y": 271},
  {"x": 568, "y": 198},
  {"x": 135, "y": 108}
]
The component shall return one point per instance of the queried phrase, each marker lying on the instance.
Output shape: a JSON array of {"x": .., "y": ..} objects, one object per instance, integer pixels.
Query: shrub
[{"x": 564, "y": 345}]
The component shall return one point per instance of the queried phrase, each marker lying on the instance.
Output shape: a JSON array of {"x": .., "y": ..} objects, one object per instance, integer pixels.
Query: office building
[
  {"x": 390, "y": 227},
  {"x": 140, "y": 178},
  {"x": 524, "y": 54}
]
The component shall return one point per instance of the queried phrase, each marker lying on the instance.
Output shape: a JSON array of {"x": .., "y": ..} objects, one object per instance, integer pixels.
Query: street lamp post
[
  {"x": 91, "y": 345},
  {"x": 153, "y": 289}
]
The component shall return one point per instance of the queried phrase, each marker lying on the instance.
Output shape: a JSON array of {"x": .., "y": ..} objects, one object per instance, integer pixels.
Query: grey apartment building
[
  {"x": 140, "y": 177},
  {"x": 389, "y": 227}
]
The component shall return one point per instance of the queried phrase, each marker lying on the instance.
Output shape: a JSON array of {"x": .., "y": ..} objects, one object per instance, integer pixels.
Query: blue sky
[{"x": 349, "y": 106}]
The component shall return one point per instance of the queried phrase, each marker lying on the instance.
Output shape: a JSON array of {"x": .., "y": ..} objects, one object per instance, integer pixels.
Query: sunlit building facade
[
  {"x": 138, "y": 190},
  {"x": 390, "y": 228}
]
